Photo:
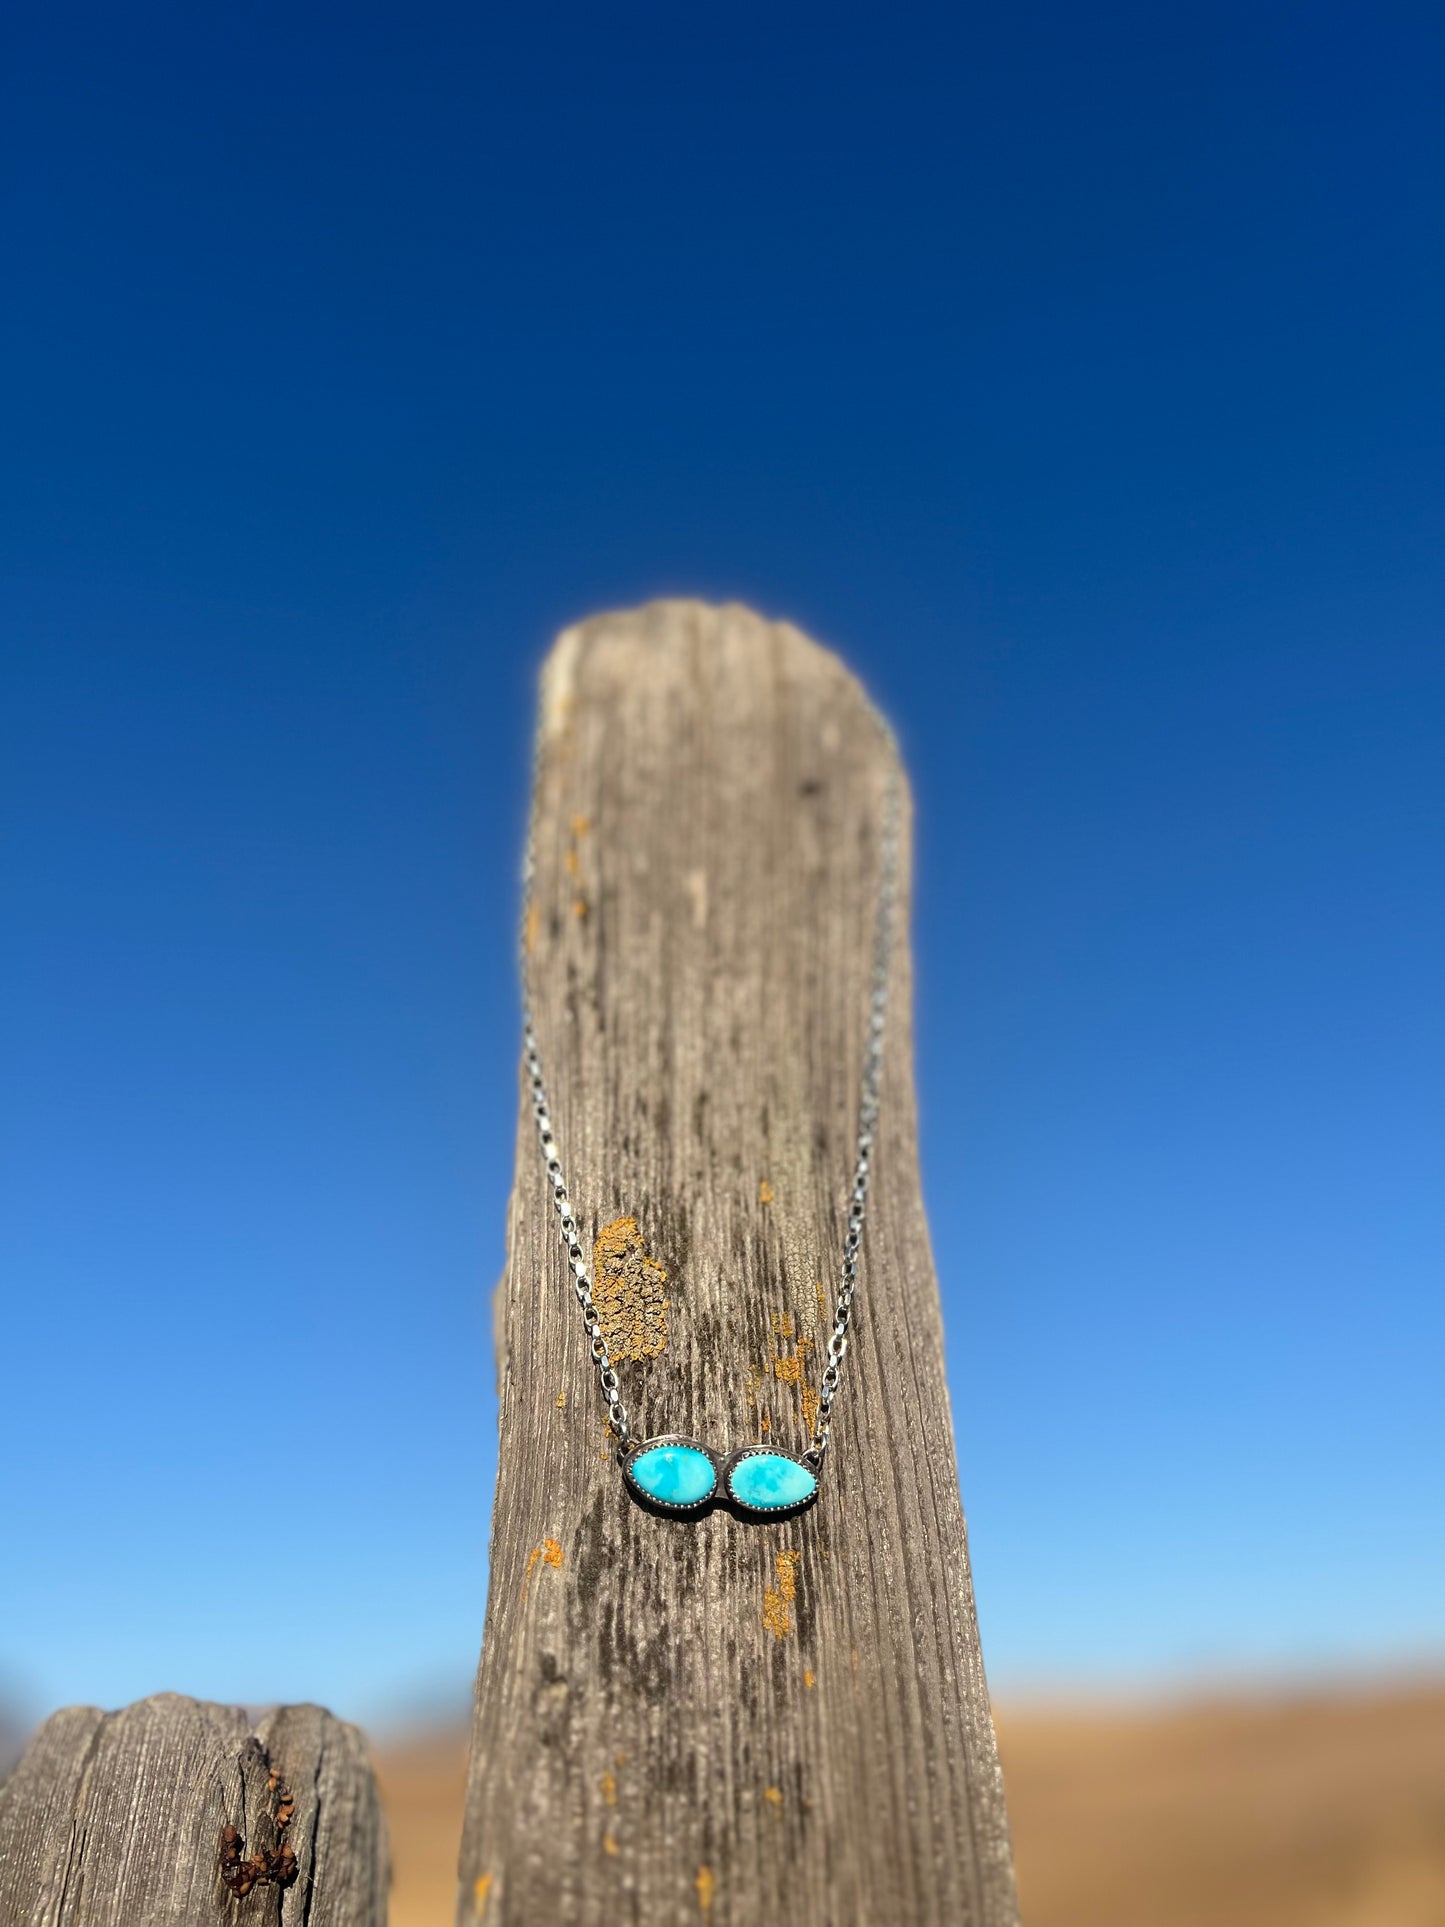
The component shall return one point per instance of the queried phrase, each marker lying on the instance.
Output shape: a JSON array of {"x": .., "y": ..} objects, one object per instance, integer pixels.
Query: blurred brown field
[{"x": 1308, "y": 1810}]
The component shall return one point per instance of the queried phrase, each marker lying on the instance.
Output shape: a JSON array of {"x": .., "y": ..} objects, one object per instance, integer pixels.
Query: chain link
[{"x": 884, "y": 918}]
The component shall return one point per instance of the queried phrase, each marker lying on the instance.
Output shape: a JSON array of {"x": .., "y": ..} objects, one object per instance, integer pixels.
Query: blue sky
[{"x": 1077, "y": 374}]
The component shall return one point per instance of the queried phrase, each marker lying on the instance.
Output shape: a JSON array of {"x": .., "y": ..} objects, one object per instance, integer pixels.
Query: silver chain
[
  {"x": 576, "y": 1261},
  {"x": 867, "y": 1110},
  {"x": 607, "y": 1380}
]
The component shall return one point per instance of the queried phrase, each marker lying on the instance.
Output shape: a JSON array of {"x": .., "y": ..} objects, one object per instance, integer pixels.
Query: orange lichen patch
[
  {"x": 765, "y": 1423},
  {"x": 561, "y": 1401},
  {"x": 580, "y": 826},
  {"x": 549, "y": 1552},
  {"x": 755, "y": 1382},
  {"x": 765, "y": 1191},
  {"x": 783, "y": 1326},
  {"x": 778, "y": 1599},
  {"x": 810, "y": 1679},
  {"x": 791, "y": 1368},
  {"x": 529, "y": 928},
  {"x": 706, "y": 1884},
  {"x": 579, "y": 909},
  {"x": 824, "y": 1311},
  {"x": 609, "y": 1844},
  {"x": 630, "y": 1292},
  {"x": 608, "y": 1785},
  {"x": 773, "y": 1795},
  {"x": 480, "y": 1891}
]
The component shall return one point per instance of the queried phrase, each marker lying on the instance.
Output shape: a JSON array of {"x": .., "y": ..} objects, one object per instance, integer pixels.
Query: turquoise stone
[
  {"x": 770, "y": 1482},
  {"x": 673, "y": 1474}
]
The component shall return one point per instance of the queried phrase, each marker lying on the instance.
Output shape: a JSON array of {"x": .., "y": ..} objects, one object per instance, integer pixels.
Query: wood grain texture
[
  {"x": 711, "y": 1720},
  {"x": 118, "y": 1817}
]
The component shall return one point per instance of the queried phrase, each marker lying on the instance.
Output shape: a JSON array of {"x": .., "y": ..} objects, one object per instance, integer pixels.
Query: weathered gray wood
[
  {"x": 120, "y": 1818},
  {"x": 712, "y": 1720}
]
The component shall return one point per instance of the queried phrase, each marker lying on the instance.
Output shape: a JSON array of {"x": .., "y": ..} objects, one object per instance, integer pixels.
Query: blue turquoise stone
[
  {"x": 673, "y": 1474},
  {"x": 770, "y": 1482}
]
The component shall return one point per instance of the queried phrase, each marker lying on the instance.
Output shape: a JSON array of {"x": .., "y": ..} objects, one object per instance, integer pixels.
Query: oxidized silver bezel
[
  {"x": 768, "y": 1511},
  {"x": 667, "y": 1505}
]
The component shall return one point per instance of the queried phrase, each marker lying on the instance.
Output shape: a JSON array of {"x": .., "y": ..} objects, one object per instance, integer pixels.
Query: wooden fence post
[
  {"x": 176, "y": 1814},
  {"x": 717, "y": 1721}
]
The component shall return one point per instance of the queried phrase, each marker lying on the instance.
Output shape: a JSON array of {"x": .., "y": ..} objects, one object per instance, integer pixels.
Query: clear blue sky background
[{"x": 1077, "y": 372}]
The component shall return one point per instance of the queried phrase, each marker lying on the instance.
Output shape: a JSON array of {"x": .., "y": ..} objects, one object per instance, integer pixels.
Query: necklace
[{"x": 670, "y": 1473}]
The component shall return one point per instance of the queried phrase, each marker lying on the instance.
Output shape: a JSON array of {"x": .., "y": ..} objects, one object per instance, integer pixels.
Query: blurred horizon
[{"x": 1077, "y": 378}]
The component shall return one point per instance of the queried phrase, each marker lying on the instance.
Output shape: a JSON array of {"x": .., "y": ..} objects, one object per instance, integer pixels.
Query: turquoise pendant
[
  {"x": 682, "y": 1476},
  {"x": 674, "y": 1474},
  {"x": 762, "y": 1482}
]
